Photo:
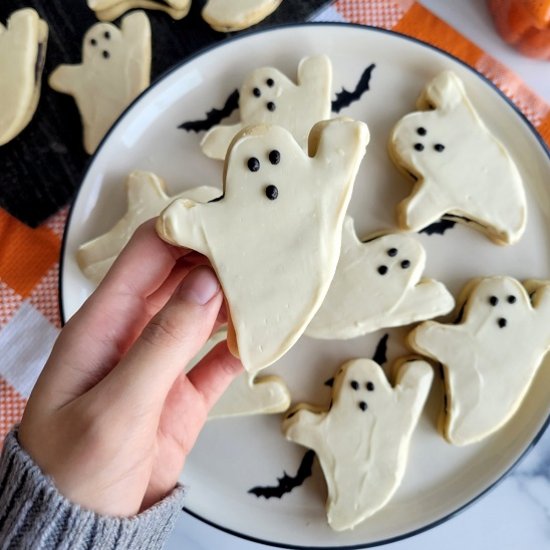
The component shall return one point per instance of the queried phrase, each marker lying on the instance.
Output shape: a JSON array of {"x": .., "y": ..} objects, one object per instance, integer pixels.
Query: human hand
[{"x": 113, "y": 415}]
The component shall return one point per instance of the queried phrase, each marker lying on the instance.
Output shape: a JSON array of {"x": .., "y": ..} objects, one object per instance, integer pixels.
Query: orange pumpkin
[{"x": 525, "y": 24}]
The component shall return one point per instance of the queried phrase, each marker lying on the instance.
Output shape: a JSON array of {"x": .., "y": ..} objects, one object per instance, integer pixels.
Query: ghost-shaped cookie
[
  {"x": 460, "y": 169},
  {"x": 108, "y": 10},
  {"x": 236, "y": 15},
  {"x": 362, "y": 440},
  {"x": 245, "y": 396},
  {"x": 490, "y": 356},
  {"x": 274, "y": 238},
  {"x": 378, "y": 284},
  {"x": 147, "y": 198},
  {"x": 269, "y": 97},
  {"x": 22, "y": 53},
  {"x": 115, "y": 69}
]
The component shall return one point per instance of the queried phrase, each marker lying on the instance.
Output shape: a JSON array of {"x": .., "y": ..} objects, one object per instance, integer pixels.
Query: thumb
[{"x": 169, "y": 341}]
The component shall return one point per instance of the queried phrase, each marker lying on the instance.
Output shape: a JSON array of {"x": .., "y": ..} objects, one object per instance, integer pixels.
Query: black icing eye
[
  {"x": 362, "y": 406},
  {"x": 502, "y": 322},
  {"x": 419, "y": 146},
  {"x": 382, "y": 269},
  {"x": 256, "y": 92},
  {"x": 271, "y": 192},
  {"x": 93, "y": 42},
  {"x": 369, "y": 386},
  {"x": 421, "y": 131},
  {"x": 270, "y": 82},
  {"x": 405, "y": 264},
  {"x": 105, "y": 54},
  {"x": 107, "y": 35},
  {"x": 511, "y": 299},
  {"x": 493, "y": 300},
  {"x": 274, "y": 156},
  {"x": 439, "y": 147},
  {"x": 271, "y": 106},
  {"x": 392, "y": 252},
  {"x": 253, "y": 164},
  {"x": 354, "y": 384}
]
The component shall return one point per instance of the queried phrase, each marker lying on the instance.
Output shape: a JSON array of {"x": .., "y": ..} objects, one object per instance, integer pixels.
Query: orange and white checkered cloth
[{"x": 29, "y": 258}]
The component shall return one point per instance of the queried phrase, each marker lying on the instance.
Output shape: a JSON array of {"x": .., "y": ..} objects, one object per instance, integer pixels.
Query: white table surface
[{"x": 516, "y": 514}]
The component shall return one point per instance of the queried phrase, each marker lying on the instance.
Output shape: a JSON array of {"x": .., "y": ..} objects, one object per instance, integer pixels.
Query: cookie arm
[
  {"x": 445, "y": 91},
  {"x": 413, "y": 383},
  {"x": 135, "y": 25},
  {"x": 181, "y": 224},
  {"x": 303, "y": 427},
  {"x": 421, "y": 208},
  {"x": 338, "y": 146},
  {"x": 425, "y": 300},
  {"x": 216, "y": 141},
  {"x": 438, "y": 341},
  {"x": 315, "y": 71},
  {"x": 65, "y": 78}
]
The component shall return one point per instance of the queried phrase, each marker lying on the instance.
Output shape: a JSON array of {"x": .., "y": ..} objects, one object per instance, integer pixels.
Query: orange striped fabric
[{"x": 29, "y": 316}]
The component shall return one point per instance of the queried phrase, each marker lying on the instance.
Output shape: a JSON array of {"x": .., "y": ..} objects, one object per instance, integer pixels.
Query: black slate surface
[{"x": 43, "y": 166}]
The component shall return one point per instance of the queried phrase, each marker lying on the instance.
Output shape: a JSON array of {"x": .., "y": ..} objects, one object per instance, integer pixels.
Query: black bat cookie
[
  {"x": 345, "y": 98},
  {"x": 287, "y": 483},
  {"x": 214, "y": 116}
]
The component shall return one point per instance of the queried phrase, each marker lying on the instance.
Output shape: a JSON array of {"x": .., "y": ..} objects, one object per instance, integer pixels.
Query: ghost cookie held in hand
[
  {"x": 378, "y": 284},
  {"x": 22, "y": 53},
  {"x": 274, "y": 237},
  {"x": 236, "y": 15},
  {"x": 147, "y": 198},
  {"x": 491, "y": 356},
  {"x": 108, "y": 10},
  {"x": 362, "y": 440},
  {"x": 461, "y": 170},
  {"x": 115, "y": 69},
  {"x": 269, "y": 97}
]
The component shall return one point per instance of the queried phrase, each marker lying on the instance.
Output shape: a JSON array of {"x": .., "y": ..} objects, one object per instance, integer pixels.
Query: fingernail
[{"x": 200, "y": 286}]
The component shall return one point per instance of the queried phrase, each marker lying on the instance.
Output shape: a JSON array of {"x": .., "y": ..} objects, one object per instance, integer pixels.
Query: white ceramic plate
[{"x": 234, "y": 455}]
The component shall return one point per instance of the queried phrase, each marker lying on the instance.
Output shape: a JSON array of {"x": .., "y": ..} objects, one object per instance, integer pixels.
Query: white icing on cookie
[
  {"x": 146, "y": 199},
  {"x": 274, "y": 238},
  {"x": 265, "y": 395},
  {"x": 460, "y": 167},
  {"x": 22, "y": 54},
  {"x": 362, "y": 441},
  {"x": 490, "y": 358},
  {"x": 269, "y": 97},
  {"x": 244, "y": 396},
  {"x": 114, "y": 71},
  {"x": 236, "y": 15},
  {"x": 378, "y": 284},
  {"x": 108, "y": 10}
]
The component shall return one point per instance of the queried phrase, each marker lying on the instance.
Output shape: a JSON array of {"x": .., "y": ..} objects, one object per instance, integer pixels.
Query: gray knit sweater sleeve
[{"x": 34, "y": 515}]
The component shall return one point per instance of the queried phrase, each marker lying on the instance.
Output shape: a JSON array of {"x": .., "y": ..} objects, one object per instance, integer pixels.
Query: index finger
[{"x": 99, "y": 334}]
